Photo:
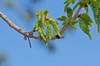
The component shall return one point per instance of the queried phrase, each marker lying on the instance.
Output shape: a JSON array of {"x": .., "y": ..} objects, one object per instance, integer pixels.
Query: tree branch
[
  {"x": 26, "y": 34},
  {"x": 31, "y": 33}
]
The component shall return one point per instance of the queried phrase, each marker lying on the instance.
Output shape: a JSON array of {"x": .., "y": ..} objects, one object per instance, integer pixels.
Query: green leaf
[
  {"x": 73, "y": 1},
  {"x": 83, "y": 3},
  {"x": 84, "y": 22},
  {"x": 85, "y": 28},
  {"x": 67, "y": 3},
  {"x": 72, "y": 24},
  {"x": 98, "y": 23},
  {"x": 86, "y": 18},
  {"x": 87, "y": 10},
  {"x": 95, "y": 5},
  {"x": 65, "y": 8},
  {"x": 76, "y": 5},
  {"x": 68, "y": 20},
  {"x": 65, "y": 22},
  {"x": 69, "y": 12},
  {"x": 62, "y": 18},
  {"x": 95, "y": 12}
]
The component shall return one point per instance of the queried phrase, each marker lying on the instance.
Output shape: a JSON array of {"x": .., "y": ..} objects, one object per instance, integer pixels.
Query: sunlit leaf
[
  {"x": 86, "y": 18},
  {"x": 64, "y": 19},
  {"x": 84, "y": 22},
  {"x": 85, "y": 28}
]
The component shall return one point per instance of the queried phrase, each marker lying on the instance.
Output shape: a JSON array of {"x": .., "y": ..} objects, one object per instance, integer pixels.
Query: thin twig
[
  {"x": 29, "y": 42},
  {"x": 16, "y": 27}
]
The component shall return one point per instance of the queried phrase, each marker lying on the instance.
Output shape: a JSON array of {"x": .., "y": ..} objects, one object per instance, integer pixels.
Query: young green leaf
[
  {"x": 85, "y": 28},
  {"x": 69, "y": 12},
  {"x": 62, "y": 18},
  {"x": 72, "y": 24},
  {"x": 86, "y": 18},
  {"x": 65, "y": 8},
  {"x": 65, "y": 22},
  {"x": 67, "y": 3}
]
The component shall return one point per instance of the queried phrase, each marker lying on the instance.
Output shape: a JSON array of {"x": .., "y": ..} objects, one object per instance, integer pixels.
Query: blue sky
[{"x": 76, "y": 49}]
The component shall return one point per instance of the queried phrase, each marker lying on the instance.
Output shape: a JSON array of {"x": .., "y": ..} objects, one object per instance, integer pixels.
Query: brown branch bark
[{"x": 26, "y": 34}]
